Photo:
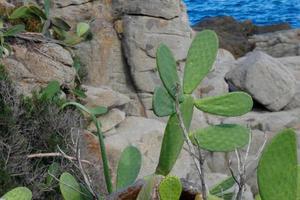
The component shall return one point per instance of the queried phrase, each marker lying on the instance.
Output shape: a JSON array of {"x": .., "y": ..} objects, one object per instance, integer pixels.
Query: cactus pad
[
  {"x": 200, "y": 59},
  {"x": 129, "y": 166},
  {"x": 173, "y": 138},
  {"x": 222, "y": 138},
  {"x": 69, "y": 187},
  {"x": 19, "y": 193},
  {"x": 222, "y": 186},
  {"x": 163, "y": 104},
  {"x": 170, "y": 188},
  {"x": 277, "y": 168},
  {"x": 167, "y": 69},
  {"x": 231, "y": 104}
]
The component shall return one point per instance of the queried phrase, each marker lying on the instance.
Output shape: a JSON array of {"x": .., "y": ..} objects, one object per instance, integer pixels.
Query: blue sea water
[{"x": 261, "y": 12}]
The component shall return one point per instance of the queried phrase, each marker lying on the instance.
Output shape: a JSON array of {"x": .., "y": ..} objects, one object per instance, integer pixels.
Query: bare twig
[
  {"x": 70, "y": 186},
  {"x": 44, "y": 155},
  {"x": 86, "y": 177},
  {"x": 191, "y": 150},
  {"x": 243, "y": 165}
]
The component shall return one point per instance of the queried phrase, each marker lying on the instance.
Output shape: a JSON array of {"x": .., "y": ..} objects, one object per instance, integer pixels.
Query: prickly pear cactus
[
  {"x": 222, "y": 138},
  {"x": 167, "y": 69},
  {"x": 222, "y": 187},
  {"x": 277, "y": 169},
  {"x": 173, "y": 138},
  {"x": 19, "y": 193},
  {"x": 170, "y": 188},
  {"x": 69, "y": 187},
  {"x": 231, "y": 104},
  {"x": 129, "y": 167},
  {"x": 163, "y": 104},
  {"x": 200, "y": 59}
]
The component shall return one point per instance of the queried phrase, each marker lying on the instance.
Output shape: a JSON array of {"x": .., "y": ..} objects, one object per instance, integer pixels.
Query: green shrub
[{"x": 30, "y": 125}]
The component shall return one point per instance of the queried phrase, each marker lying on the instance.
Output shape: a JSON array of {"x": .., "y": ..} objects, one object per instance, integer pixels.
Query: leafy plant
[
  {"x": 278, "y": 168},
  {"x": 170, "y": 188},
  {"x": 130, "y": 161},
  {"x": 19, "y": 193},
  {"x": 128, "y": 167},
  {"x": 177, "y": 102},
  {"x": 69, "y": 187},
  {"x": 41, "y": 20},
  {"x": 5, "y": 33}
]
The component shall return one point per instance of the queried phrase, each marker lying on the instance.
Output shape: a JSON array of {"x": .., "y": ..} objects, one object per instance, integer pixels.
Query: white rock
[{"x": 266, "y": 79}]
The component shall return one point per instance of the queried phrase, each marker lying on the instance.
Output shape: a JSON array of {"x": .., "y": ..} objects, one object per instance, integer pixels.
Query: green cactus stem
[
  {"x": 200, "y": 59},
  {"x": 170, "y": 188}
]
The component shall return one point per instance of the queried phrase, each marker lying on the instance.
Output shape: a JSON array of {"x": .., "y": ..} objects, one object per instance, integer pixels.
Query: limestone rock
[
  {"x": 108, "y": 121},
  {"x": 158, "y": 8},
  {"x": 32, "y": 69},
  {"x": 104, "y": 96},
  {"x": 278, "y": 44},
  {"x": 142, "y": 36},
  {"x": 267, "y": 80}
]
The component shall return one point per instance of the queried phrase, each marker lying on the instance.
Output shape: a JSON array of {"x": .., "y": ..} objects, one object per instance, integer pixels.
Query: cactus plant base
[{"x": 189, "y": 191}]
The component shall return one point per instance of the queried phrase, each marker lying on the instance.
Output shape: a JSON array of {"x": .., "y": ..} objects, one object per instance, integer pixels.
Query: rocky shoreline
[{"x": 122, "y": 75}]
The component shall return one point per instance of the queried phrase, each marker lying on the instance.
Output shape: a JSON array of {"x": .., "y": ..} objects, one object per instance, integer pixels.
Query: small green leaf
[
  {"x": 220, "y": 188},
  {"x": 19, "y": 193},
  {"x": 163, "y": 104},
  {"x": 35, "y": 10},
  {"x": 99, "y": 110},
  {"x": 82, "y": 28},
  {"x": 222, "y": 138},
  {"x": 167, "y": 69},
  {"x": 170, "y": 188},
  {"x": 231, "y": 104},
  {"x": 129, "y": 167},
  {"x": 13, "y": 31},
  {"x": 71, "y": 39},
  {"x": 47, "y": 6},
  {"x": 79, "y": 93},
  {"x": 69, "y": 187},
  {"x": 173, "y": 138},
  {"x": 277, "y": 169},
  {"x": 53, "y": 170},
  {"x": 51, "y": 90},
  {"x": 21, "y": 12},
  {"x": 60, "y": 23},
  {"x": 60, "y": 34},
  {"x": 200, "y": 59}
]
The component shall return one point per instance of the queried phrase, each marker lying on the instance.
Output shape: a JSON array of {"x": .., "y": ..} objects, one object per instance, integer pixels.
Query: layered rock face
[{"x": 122, "y": 75}]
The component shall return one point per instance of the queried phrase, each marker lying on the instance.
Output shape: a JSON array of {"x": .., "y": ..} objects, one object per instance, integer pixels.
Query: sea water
[{"x": 261, "y": 12}]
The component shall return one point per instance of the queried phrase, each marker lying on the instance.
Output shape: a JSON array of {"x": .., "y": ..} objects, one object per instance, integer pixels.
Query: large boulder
[
  {"x": 278, "y": 44},
  {"x": 267, "y": 80}
]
